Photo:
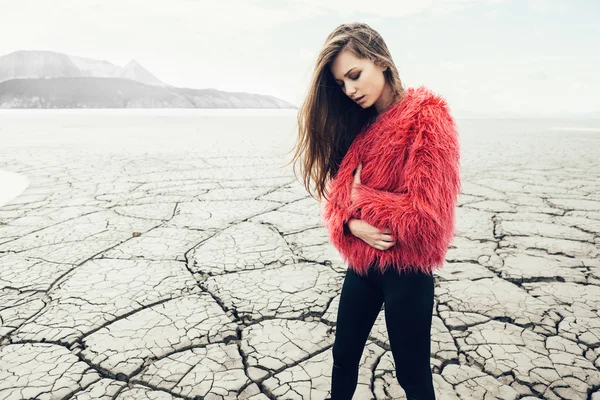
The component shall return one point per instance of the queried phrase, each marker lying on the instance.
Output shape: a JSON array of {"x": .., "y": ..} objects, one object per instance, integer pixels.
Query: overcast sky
[{"x": 530, "y": 56}]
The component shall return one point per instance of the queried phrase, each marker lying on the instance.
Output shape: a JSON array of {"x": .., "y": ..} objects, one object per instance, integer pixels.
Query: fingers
[
  {"x": 382, "y": 245},
  {"x": 386, "y": 237}
]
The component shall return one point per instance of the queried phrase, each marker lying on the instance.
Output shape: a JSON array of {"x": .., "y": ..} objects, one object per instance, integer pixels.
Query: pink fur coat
[{"x": 410, "y": 181}]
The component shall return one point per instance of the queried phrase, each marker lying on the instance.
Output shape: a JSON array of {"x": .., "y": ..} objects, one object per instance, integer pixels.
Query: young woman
[{"x": 386, "y": 161}]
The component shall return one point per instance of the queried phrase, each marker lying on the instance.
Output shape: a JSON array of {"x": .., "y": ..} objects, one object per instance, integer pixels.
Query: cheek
[{"x": 373, "y": 84}]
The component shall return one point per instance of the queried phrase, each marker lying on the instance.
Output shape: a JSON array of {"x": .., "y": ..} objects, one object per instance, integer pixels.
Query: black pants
[{"x": 408, "y": 299}]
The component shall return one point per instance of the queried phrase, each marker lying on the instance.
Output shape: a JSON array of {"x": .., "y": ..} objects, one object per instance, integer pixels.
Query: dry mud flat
[{"x": 154, "y": 277}]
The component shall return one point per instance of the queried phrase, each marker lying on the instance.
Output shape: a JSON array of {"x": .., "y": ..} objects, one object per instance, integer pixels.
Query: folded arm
[{"x": 430, "y": 181}]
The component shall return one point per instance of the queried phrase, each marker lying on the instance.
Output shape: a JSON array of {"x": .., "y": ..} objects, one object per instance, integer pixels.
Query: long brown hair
[{"x": 329, "y": 121}]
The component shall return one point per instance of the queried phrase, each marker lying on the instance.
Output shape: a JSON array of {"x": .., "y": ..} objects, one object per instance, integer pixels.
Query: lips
[{"x": 359, "y": 99}]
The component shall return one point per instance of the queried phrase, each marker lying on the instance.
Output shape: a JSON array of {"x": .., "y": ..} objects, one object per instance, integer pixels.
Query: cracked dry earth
[{"x": 158, "y": 277}]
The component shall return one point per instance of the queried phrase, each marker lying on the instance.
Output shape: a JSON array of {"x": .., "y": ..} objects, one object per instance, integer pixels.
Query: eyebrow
[{"x": 346, "y": 74}]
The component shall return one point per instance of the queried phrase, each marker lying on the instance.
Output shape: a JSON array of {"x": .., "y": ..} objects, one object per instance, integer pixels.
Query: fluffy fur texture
[{"x": 410, "y": 182}]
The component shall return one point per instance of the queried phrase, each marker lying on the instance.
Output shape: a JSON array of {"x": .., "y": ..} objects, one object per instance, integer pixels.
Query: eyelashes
[{"x": 353, "y": 78}]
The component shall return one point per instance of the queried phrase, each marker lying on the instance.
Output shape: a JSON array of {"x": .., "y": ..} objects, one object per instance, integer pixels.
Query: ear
[{"x": 382, "y": 68}]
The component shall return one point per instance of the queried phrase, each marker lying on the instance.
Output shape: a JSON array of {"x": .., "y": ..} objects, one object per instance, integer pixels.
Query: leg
[
  {"x": 360, "y": 303},
  {"x": 408, "y": 315}
]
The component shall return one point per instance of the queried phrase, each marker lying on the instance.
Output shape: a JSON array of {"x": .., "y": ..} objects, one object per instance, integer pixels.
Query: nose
[{"x": 350, "y": 91}]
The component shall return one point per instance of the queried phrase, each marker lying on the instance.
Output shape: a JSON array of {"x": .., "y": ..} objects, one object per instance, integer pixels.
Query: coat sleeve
[
  {"x": 423, "y": 208},
  {"x": 335, "y": 219}
]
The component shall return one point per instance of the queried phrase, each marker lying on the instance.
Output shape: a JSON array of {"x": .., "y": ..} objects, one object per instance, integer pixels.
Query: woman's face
[{"x": 359, "y": 79}]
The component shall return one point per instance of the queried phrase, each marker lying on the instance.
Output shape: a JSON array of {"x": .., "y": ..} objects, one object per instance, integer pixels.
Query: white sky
[{"x": 524, "y": 56}]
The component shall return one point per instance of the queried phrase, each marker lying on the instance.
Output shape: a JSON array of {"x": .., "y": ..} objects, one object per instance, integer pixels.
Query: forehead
[{"x": 343, "y": 62}]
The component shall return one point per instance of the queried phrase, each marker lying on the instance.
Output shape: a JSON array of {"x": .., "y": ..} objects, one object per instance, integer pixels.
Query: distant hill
[
  {"x": 46, "y": 79},
  {"x": 49, "y": 64},
  {"x": 86, "y": 92}
]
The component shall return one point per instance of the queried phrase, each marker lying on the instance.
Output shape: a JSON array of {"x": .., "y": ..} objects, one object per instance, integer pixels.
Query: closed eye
[{"x": 352, "y": 77}]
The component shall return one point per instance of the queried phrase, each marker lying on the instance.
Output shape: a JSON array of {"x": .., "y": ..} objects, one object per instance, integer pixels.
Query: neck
[{"x": 386, "y": 99}]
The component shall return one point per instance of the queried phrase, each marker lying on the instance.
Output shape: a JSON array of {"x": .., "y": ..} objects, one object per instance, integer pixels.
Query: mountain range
[{"x": 46, "y": 79}]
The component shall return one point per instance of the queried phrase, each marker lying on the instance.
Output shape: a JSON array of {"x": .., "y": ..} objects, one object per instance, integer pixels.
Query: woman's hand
[{"x": 373, "y": 236}]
